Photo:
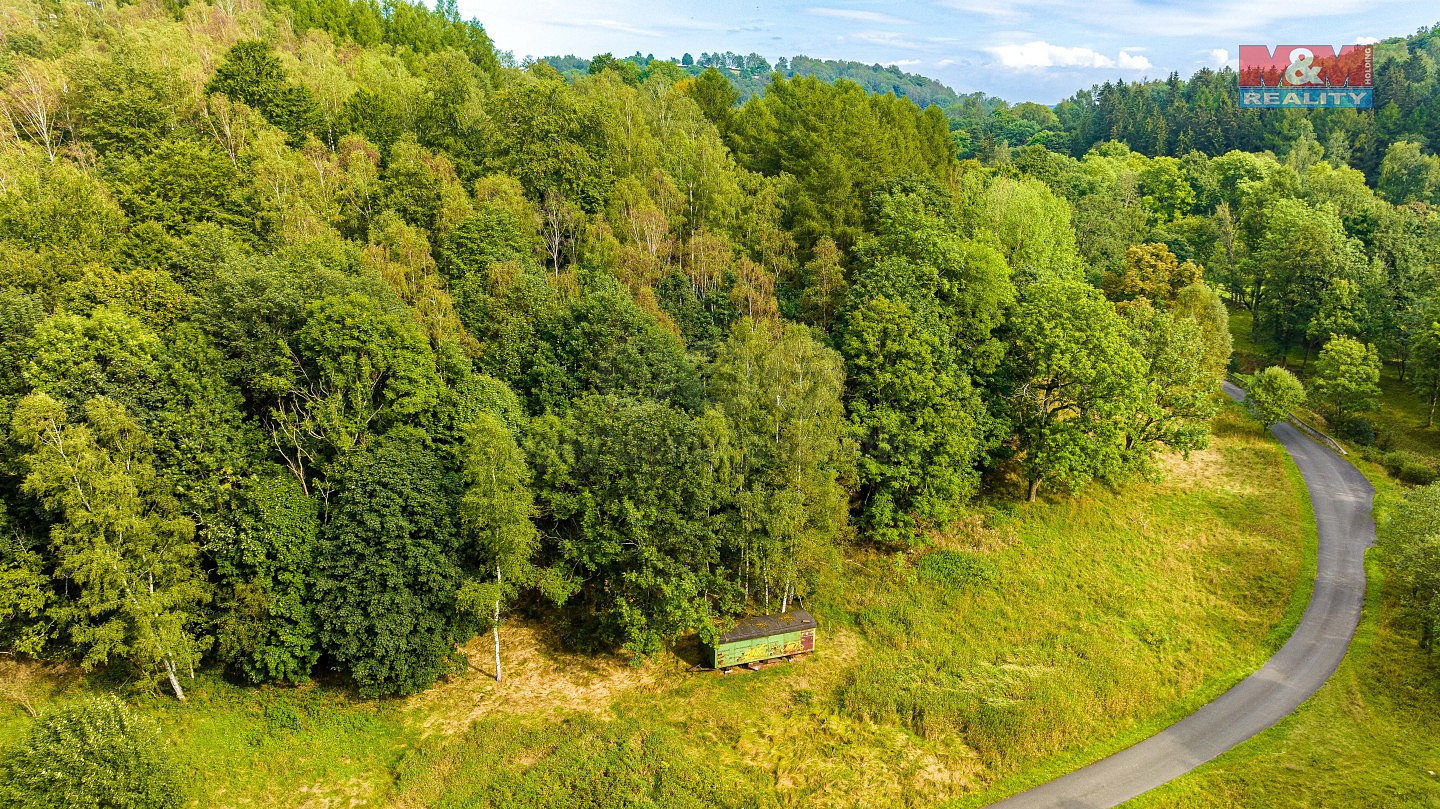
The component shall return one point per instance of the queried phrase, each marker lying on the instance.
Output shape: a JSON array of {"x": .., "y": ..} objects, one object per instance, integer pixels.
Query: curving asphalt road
[{"x": 1341, "y": 497}]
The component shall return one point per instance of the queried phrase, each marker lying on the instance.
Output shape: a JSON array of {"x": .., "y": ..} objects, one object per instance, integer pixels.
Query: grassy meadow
[
  {"x": 1029, "y": 640},
  {"x": 1368, "y": 738}
]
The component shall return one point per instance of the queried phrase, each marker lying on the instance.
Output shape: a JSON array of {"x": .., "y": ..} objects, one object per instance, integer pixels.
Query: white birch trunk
[
  {"x": 174, "y": 681},
  {"x": 496, "y": 628}
]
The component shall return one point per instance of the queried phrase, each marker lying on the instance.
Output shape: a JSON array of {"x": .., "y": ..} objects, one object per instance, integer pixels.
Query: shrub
[
  {"x": 1408, "y": 467},
  {"x": 956, "y": 569},
  {"x": 99, "y": 754},
  {"x": 1358, "y": 429}
]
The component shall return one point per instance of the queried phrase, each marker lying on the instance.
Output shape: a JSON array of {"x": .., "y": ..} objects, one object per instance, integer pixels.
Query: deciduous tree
[
  {"x": 1077, "y": 386},
  {"x": 119, "y": 538},
  {"x": 1347, "y": 377},
  {"x": 1271, "y": 393}
]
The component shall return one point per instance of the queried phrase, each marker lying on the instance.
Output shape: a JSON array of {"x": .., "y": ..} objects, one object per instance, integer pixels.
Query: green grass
[
  {"x": 1366, "y": 739},
  {"x": 1034, "y": 639}
]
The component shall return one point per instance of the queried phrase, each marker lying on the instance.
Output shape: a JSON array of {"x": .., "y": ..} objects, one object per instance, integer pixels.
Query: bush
[
  {"x": 1357, "y": 429},
  {"x": 956, "y": 569},
  {"x": 1408, "y": 467},
  {"x": 99, "y": 754},
  {"x": 1412, "y": 543}
]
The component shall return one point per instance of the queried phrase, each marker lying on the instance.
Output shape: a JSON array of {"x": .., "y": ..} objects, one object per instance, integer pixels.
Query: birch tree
[
  {"x": 495, "y": 513},
  {"x": 33, "y": 105},
  {"x": 120, "y": 542},
  {"x": 780, "y": 391}
]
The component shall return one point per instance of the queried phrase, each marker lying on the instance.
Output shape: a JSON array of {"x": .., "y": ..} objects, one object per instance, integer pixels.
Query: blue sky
[{"x": 1020, "y": 50}]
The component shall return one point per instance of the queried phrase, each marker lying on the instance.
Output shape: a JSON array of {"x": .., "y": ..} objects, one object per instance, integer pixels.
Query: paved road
[{"x": 1341, "y": 497}]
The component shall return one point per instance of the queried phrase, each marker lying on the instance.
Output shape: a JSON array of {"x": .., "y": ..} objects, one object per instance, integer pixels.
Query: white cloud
[
  {"x": 888, "y": 39},
  {"x": 988, "y": 8},
  {"x": 1126, "y": 61},
  {"x": 1366, "y": 41},
  {"x": 1039, "y": 54},
  {"x": 872, "y": 17},
  {"x": 903, "y": 62},
  {"x": 1215, "y": 18},
  {"x": 611, "y": 25},
  {"x": 1219, "y": 57}
]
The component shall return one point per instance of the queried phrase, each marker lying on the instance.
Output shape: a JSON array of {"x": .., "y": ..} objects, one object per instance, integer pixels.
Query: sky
[{"x": 1019, "y": 50}]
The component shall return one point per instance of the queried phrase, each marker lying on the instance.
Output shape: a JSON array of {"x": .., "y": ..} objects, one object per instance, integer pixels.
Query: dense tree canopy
[{"x": 353, "y": 336}]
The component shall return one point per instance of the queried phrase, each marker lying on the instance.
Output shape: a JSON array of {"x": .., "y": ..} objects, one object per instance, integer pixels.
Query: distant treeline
[
  {"x": 751, "y": 72},
  {"x": 1154, "y": 117},
  {"x": 1176, "y": 116}
]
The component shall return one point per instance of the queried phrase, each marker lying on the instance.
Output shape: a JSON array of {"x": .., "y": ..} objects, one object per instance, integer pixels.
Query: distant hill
[{"x": 750, "y": 73}]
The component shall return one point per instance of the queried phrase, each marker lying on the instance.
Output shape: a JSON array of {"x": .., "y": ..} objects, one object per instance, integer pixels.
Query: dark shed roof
[{"x": 761, "y": 626}]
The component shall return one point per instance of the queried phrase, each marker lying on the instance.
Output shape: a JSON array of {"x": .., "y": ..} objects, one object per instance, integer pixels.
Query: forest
[
  {"x": 332, "y": 337},
  {"x": 1176, "y": 116}
]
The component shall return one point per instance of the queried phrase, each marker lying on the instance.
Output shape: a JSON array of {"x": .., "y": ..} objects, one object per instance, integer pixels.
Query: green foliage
[
  {"x": 1271, "y": 394},
  {"x": 1347, "y": 376},
  {"x": 78, "y": 358},
  {"x": 1408, "y": 175},
  {"x": 25, "y": 594},
  {"x": 918, "y": 424},
  {"x": 1413, "y": 542},
  {"x": 712, "y": 92},
  {"x": 124, "y": 105},
  {"x": 1077, "y": 385},
  {"x": 1151, "y": 271},
  {"x": 180, "y": 184},
  {"x": 99, "y": 753},
  {"x": 1425, "y": 361},
  {"x": 780, "y": 392},
  {"x": 1033, "y": 227},
  {"x": 1164, "y": 189},
  {"x": 1410, "y": 467},
  {"x": 840, "y": 145},
  {"x": 252, "y": 75},
  {"x": 54, "y": 220},
  {"x": 269, "y": 630},
  {"x": 1177, "y": 396},
  {"x": 628, "y": 490},
  {"x": 120, "y": 539},
  {"x": 237, "y": 280},
  {"x": 496, "y": 531},
  {"x": 1203, "y": 305},
  {"x": 361, "y": 369},
  {"x": 386, "y": 571}
]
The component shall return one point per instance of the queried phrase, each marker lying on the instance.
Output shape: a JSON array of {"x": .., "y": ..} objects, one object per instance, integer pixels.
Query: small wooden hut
[{"x": 763, "y": 637}]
